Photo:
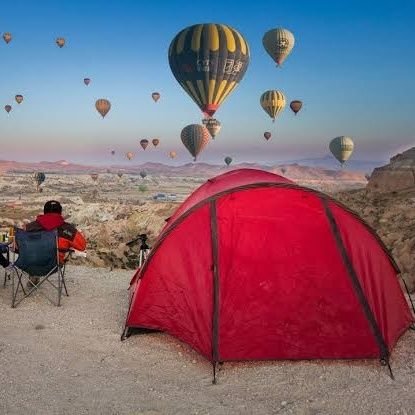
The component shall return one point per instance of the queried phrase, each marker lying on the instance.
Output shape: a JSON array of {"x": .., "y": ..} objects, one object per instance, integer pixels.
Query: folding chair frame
[{"x": 20, "y": 274}]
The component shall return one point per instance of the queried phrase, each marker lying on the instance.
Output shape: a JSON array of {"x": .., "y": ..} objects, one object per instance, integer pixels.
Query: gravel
[{"x": 70, "y": 360}]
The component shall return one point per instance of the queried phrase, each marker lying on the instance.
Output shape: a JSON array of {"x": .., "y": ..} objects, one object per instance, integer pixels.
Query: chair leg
[{"x": 64, "y": 286}]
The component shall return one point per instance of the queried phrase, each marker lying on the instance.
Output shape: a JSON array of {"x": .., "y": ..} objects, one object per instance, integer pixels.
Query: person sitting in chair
[{"x": 68, "y": 236}]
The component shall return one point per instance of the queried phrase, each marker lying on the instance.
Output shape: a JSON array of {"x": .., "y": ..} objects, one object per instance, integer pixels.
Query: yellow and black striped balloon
[
  {"x": 273, "y": 102},
  {"x": 209, "y": 60}
]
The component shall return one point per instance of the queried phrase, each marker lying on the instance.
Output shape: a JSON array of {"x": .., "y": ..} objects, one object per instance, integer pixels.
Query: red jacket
[{"x": 68, "y": 235}]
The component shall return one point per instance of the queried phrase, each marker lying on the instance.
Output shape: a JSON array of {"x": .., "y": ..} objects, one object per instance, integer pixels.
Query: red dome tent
[{"x": 253, "y": 267}]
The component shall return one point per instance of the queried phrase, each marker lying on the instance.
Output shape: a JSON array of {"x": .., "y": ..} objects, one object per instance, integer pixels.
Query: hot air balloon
[
  {"x": 341, "y": 148},
  {"x": 144, "y": 143},
  {"x": 195, "y": 137},
  {"x": 172, "y": 154},
  {"x": 296, "y": 106},
  {"x": 273, "y": 102},
  {"x": 228, "y": 160},
  {"x": 155, "y": 96},
  {"x": 87, "y": 81},
  {"x": 208, "y": 60},
  {"x": 7, "y": 37},
  {"x": 212, "y": 125},
  {"x": 39, "y": 178},
  {"x": 112, "y": 152},
  {"x": 103, "y": 106},
  {"x": 94, "y": 176},
  {"x": 119, "y": 174},
  {"x": 129, "y": 155},
  {"x": 267, "y": 135},
  {"x": 19, "y": 99},
  {"x": 155, "y": 142},
  {"x": 278, "y": 43},
  {"x": 60, "y": 41},
  {"x": 8, "y": 108},
  {"x": 143, "y": 174},
  {"x": 283, "y": 170}
]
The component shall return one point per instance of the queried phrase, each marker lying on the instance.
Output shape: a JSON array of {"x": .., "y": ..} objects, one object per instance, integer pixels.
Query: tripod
[{"x": 144, "y": 248}]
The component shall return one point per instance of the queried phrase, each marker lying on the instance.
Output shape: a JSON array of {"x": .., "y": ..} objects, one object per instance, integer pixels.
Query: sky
[{"x": 352, "y": 66}]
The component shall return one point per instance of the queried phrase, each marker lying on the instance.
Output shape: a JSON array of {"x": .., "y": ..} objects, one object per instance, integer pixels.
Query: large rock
[{"x": 399, "y": 174}]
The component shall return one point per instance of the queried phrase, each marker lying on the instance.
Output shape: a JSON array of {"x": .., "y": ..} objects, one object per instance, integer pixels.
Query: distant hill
[
  {"x": 328, "y": 162},
  {"x": 295, "y": 171}
]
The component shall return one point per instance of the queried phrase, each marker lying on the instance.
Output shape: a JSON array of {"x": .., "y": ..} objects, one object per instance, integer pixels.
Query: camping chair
[
  {"x": 38, "y": 257},
  {"x": 4, "y": 249}
]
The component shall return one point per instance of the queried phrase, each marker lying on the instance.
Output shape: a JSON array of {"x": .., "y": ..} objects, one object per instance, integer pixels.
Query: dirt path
[{"x": 70, "y": 360}]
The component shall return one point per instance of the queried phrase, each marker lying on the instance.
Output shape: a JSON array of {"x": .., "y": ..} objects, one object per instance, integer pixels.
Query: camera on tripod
[{"x": 142, "y": 238}]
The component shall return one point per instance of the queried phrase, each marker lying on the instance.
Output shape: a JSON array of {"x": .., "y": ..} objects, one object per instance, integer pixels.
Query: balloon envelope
[
  {"x": 228, "y": 160},
  {"x": 144, "y": 143},
  {"x": 208, "y": 61},
  {"x": 155, "y": 96},
  {"x": 278, "y": 43},
  {"x": 267, "y": 135},
  {"x": 7, "y": 37},
  {"x": 155, "y": 142},
  {"x": 342, "y": 148},
  {"x": 60, "y": 41},
  {"x": 103, "y": 106},
  {"x": 8, "y": 108},
  {"x": 143, "y": 174},
  {"x": 195, "y": 137},
  {"x": 172, "y": 154},
  {"x": 129, "y": 155},
  {"x": 212, "y": 125},
  {"x": 272, "y": 102},
  {"x": 296, "y": 106},
  {"x": 19, "y": 99},
  {"x": 87, "y": 81}
]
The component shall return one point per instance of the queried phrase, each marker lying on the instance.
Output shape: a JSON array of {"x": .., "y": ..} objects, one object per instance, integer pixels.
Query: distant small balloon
[
  {"x": 87, "y": 81},
  {"x": 112, "y": 152},
  {"x": 119, "y": 174},
  {"x": 8, "y": 108},
  {"x": 228, "y": 160},
  {"x": 19, "y": 99},
  {"x": 172, "y": 154},
  {"x": 267, "y": 135},
  {"x": 60, "y": 41},
  {"x": 342, "y": 148},
  {"x": 212, "y": 125},
  {"x": 144, "y": 143},
  {"x": 129, "y": 155},
  {"x": 143, "y": 174},
  {"x": 296, "y": 106},
  {"x": 155, "y": 142},
  {"x": 103, "y": 106},
  {"x": 155, "y": 96},
  {"x": 7, "y": 37}
]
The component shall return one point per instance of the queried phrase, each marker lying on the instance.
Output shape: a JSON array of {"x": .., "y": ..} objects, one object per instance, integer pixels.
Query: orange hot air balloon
[
  {"x": 172, "y": 154},
  {"x": 129, "y": 155},
  {"x": 103, "y": 106},
  {"x": 267, "y": 135},
  {"x": 60, "y": 41},
  {"x": 144, "y": 143},
  {"x": 155, "y": 142},
  {"x": 8, "y": 108},
  {"x": 155, "y": 96}
]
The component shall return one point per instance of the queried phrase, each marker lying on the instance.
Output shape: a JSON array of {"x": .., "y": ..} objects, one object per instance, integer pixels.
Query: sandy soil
[{"x": 70, "y": 360}]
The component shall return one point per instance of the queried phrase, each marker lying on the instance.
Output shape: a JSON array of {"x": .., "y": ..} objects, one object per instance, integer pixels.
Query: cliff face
[{"x": 399, "y": 174}]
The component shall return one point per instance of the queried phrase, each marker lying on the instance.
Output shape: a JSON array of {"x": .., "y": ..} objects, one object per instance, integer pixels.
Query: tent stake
[
  {"x": 214, "y": 373},
  {"x": 385, "y": 362}
]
